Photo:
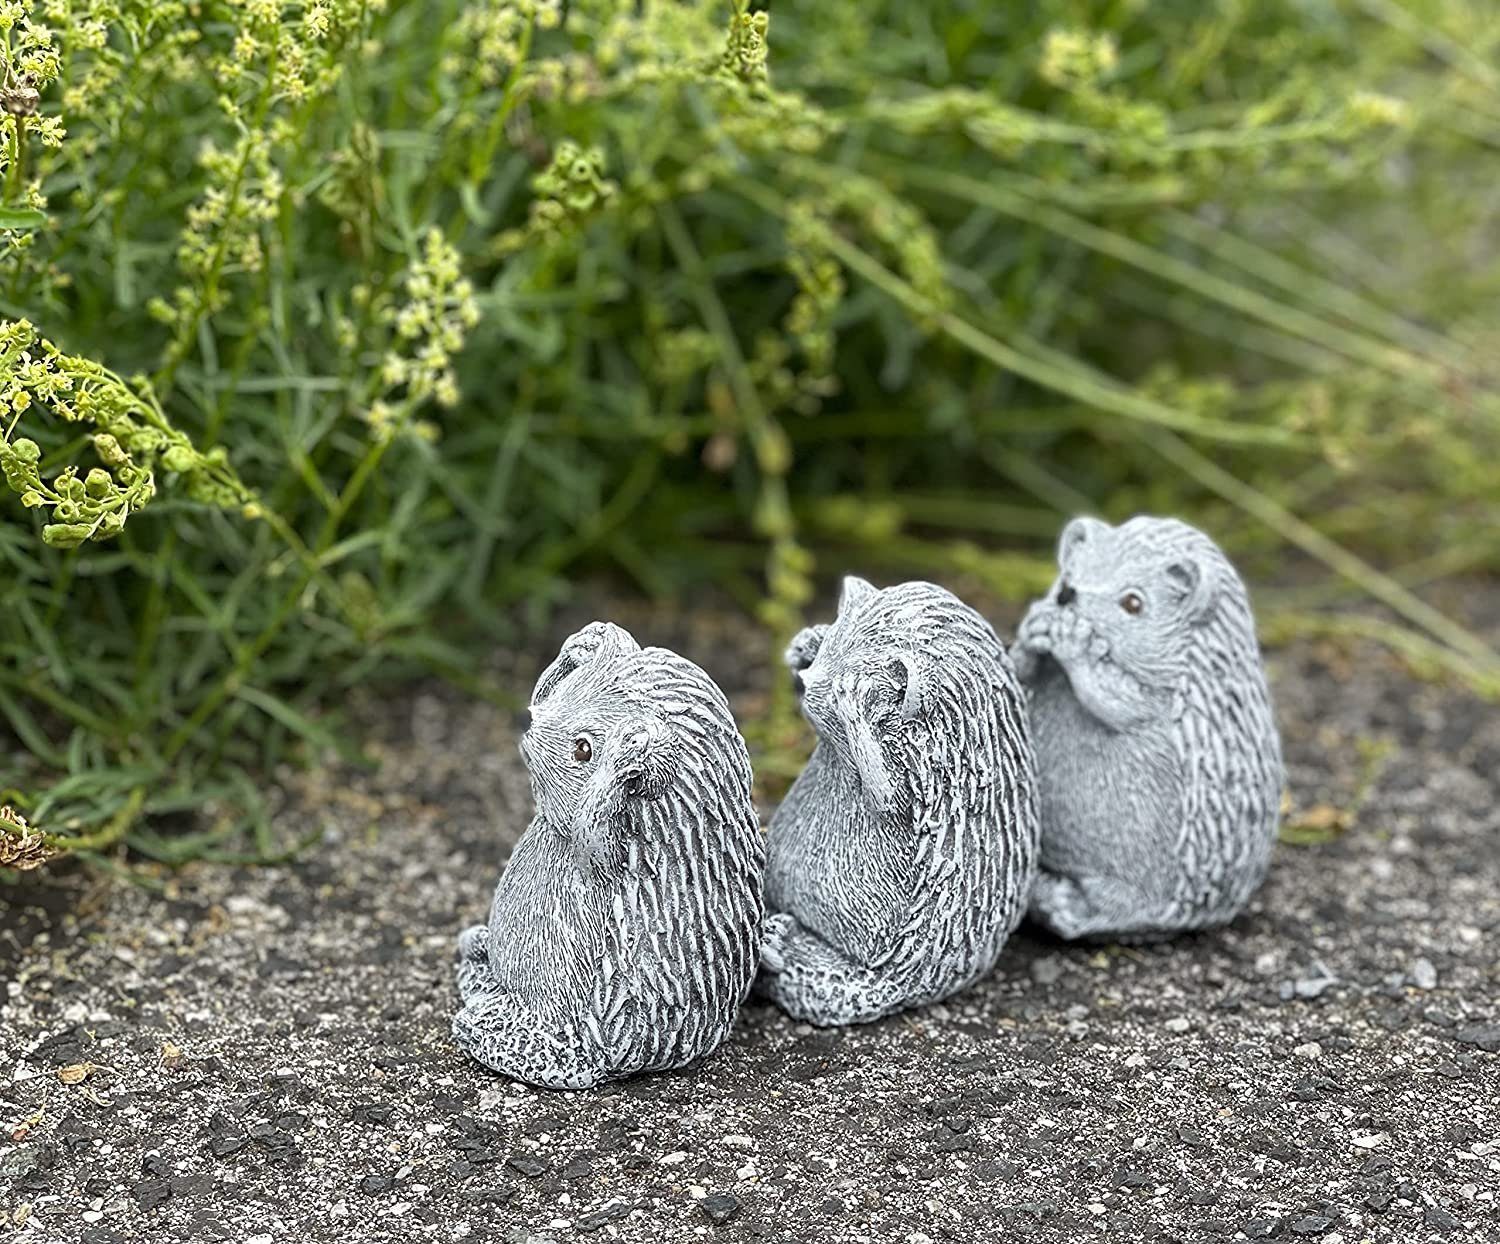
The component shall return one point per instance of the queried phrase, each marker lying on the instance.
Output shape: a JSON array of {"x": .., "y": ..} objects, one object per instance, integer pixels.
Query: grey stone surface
[
  {"x": 1157, "y": 753},
  {"x": 625, "y": 930},
  {"x": 274, "y": 1061},
  {"x": 903, "y": 855}
]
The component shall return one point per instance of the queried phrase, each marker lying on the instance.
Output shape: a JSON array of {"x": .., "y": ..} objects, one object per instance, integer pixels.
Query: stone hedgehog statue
[
  {"x": 625, "y": 930},
  {"x": 903, "y": 854},
  {"x": 1157, "y": 751}
]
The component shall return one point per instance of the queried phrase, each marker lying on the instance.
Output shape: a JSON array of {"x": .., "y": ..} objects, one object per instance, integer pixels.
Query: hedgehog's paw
[
  {"x": 803, "y": 649},
  {"x": 1025, "y": 662},
  {"x": 775, "y": 933},
  {"x": 474, "y": 978},
  {"x": 1057, "y": 904},
  {"x": 1034, "y": 635},
  {"x": 474, "y": 944},
  {"x": 813, "y": 982},
  {"x": 474, "y": 961},
  {"x": 1087, "y": 907},
  {"x": 499, "y": 1030},
  {"x": 1069, "y": 637}
]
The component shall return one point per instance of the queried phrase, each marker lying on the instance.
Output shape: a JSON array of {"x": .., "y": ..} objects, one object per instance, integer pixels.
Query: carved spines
[
  {"x": 1197, "y": 690},
  {"x": 651, "y": 835},
  {"x": 922, "y": 720}
]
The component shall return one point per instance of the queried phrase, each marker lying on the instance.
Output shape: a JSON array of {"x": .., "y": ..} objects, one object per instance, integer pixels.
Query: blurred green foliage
[{"x": 426, "y": 307}]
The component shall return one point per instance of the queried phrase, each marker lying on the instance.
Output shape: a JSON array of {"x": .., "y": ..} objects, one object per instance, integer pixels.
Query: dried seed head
[
  {"x": 20, "y": 98},
  {"x": 21, "y": 847}
]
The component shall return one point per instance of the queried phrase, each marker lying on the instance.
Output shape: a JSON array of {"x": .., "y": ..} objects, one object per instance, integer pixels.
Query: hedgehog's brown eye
[
  {"x": 583, "y": 750},
  {"x": 1131, "y": 602}
]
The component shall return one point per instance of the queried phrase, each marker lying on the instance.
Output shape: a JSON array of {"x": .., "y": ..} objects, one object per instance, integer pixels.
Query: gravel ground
[{"x": 268, "y": 1052}]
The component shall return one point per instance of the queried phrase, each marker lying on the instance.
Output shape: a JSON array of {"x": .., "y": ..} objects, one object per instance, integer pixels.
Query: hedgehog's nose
[{"x": 1065, "y": 593}]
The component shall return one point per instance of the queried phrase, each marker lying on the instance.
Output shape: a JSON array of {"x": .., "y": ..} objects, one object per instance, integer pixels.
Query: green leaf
[
  {"x": 22, "y": 217},
  {"x": 319, "y": 736}
]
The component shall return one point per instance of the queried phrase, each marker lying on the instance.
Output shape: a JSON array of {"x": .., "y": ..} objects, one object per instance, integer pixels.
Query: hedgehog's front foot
[
  {"x": 778, "y": 926},
  {"x": 809, "y": 980},
  {"x": 1093, "y": 907},
  {"x": 500, "y": 1031},
  {"x": 474, "y": 961}
]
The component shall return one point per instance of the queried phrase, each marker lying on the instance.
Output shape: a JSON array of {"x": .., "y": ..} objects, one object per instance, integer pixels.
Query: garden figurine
[
  {"x": 625, "y": 929},
  {"x": 902, "y": 856},
  {"x": 1157, "y": 750}
]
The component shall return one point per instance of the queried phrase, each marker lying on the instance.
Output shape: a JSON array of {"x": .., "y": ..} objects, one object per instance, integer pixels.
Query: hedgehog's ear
[
  {"x": 854, "y": 593},
  {"x": 596, "y": 640},
  {"x": 642, "y": 754},
  {"x": 1075, "y": 535},
  {"x": 911, "y": 679},
  {"x": 636, "y": 761},
  {"x": 1193, "y": 585}
]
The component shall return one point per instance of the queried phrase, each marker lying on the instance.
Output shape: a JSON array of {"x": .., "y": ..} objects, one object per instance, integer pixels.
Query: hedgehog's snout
[{"x": 1065, "y": 593}]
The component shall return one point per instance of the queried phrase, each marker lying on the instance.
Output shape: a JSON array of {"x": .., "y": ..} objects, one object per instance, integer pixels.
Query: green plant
[{"x": 434, "y": 304}]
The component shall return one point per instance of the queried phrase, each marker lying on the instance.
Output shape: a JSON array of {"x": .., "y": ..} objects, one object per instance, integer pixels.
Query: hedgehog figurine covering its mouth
[
  {"x": 902, "y": 856},
  {"x": 1157, "y": 751},
  {"x": 625, "y": 930}
]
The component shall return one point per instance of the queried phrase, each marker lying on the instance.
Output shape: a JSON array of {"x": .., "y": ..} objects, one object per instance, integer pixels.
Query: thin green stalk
[
  {"x": 232, "y": 680},
  {"x": 772, "y": 451},
  {"x": 161, "y": 382},
  {"x": 1113, "y": 398},
  {"x": 113, "y": 831},
  {"x": 1266, "y": 265},
  {"x": 1238, "y": 297},
  {"x": 1340, "y": 560},
  {"x": 1438, "y": 42},
  {"x": 760, "y": 427},
  {"x": 1280, "y": 625},
  {"x": 59, "y": 703}
]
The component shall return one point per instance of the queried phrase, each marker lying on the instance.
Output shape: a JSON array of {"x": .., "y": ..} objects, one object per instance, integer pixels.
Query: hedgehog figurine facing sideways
[
  {"x": 625, "y": 930},
  {"x": 902, "y": 856},
  {"x": 1157, "y": 751}
]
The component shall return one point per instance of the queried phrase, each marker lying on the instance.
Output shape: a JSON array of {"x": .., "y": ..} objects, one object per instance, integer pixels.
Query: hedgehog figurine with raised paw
[
  {"x": 625, "y": 930},
  {"x": 1157, "y": 751},
  {"x": 902, "y": 856}
]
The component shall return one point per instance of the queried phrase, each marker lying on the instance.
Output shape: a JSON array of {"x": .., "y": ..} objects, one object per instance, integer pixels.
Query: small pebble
[
  {"x": 720, "y": 1207},
  {"x": 1309, "y": 1049},
  {"x": 1423, "y": 974},
  {"x": 1046, "y": 970},
  {"x": 1312, "y": 986}
]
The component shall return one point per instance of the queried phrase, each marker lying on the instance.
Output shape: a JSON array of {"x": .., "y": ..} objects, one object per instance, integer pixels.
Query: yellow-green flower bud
[
  {"x": 179, "y": 458},
  {"x": 109, "y": 450}
]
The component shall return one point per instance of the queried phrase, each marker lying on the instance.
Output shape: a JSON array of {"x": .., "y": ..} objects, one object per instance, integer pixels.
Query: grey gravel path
[{"x": 271, "y": 1055}]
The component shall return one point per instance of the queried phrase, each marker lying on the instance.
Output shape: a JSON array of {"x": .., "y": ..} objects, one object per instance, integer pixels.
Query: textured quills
[
  {"x": 1157, "y": 751},
  {"x": 625, "y": 931},
  {"x": 902, "y": 856}
]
